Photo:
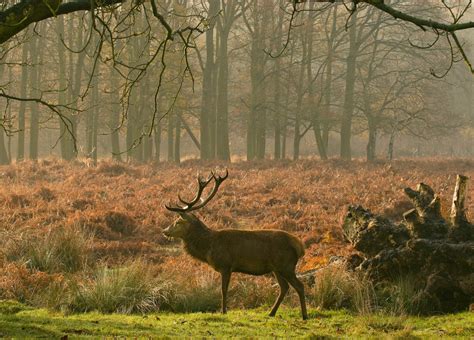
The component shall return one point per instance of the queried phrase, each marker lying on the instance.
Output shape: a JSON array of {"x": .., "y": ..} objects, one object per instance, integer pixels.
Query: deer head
[{"x": 181, "y": 227}]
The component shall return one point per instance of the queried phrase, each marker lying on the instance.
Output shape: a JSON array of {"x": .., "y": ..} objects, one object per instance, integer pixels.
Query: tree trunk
[
  {"x": 92, "y": 118},
  {"x": 328, "y": 81},
  {"x": 4, "y": 158},
  {"x": 3, "y": 151},
  {"x": 314, "y": 109},
  {"x": 257, "y": 119},
  {"x": 157, "y": 139},
  {"x": 170, "y": 137},
  {"x": 225, "y": 23},
  {"x": 177, "y": 140},
  {"x": 75, "y": 68},
  {"x": 277, "y": 111},
  {"x": 114, "y": 115},
  {"x": 371, "y": 154},
  {"x": 348, "y": 108},
  {"x": 222, "y": 125},
  {"x": 277, "y": 91},
  {"x": 63, "y": 84},
  {"x": 9, "y": 119},
  {"x": 390, "y": 146},
  {"x": 135, "y": 110},
  {"x": 208, "y": 90},
  {"x": 129, "y": 138},
  {"x": 21, "y": 112},
  {"x": 37, "y": 54},
  {"x": 299, "y": 101}
]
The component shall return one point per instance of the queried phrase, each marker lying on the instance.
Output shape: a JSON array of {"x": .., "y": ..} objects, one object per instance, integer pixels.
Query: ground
[
  {"x": 122, "y": 207},
  {"x": 19, "y": 321}
]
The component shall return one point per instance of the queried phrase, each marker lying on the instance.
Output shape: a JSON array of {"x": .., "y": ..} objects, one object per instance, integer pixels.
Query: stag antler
[{"x": 202, "y": 184}]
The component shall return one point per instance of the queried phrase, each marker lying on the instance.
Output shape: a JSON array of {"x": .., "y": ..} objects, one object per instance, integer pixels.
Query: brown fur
[{"x": 254, "y": 252}]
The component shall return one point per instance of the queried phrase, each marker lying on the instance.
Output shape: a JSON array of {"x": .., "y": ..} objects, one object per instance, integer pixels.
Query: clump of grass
[
  {"x": 201, "y": 295},
  {"x": 385, "y": 324},
  {"x": 56, "y": 295},
  {"x": 335, "y": 288},
  {"x": 63, "y": 249},
  {"x": 81, "y": 204},
  {"x": 251, "y": 292},
  {"x": 18, "y": 201},
  {"x": 45, "y": 194},
  {"x": 10, "y": 307},
  {"x": 129, "y": 289},
  {"x": 120, "y": 223},
  {"x": 403, "y": 297}
]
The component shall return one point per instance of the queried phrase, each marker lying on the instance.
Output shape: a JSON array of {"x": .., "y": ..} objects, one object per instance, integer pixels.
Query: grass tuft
[
  {"x": 63, "y": 249},
  {"x": 336, "y": 288},
  {"x": 120, "y": 223},
  {"x": 116, "y": 290}
]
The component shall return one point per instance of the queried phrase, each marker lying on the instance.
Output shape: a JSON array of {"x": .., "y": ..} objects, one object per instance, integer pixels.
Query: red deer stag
[{"x": 255, "y": 252}]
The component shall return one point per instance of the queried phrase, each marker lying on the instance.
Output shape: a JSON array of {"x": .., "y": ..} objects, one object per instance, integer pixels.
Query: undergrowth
[{"x": 71, "y": 234}]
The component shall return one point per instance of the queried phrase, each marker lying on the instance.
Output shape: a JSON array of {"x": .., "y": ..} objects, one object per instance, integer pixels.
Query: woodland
[
  {"x": 236, "y": 80},
  {"x": 345, "y": 123}
]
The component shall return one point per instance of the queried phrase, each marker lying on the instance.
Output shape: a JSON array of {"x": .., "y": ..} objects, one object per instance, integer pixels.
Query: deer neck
[{"x": 198, "y": 241}]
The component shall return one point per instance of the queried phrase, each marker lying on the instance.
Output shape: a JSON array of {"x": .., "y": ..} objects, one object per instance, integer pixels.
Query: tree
[
  {"x": 208, "y": 104},
  {"x": 149, "y": 48}
]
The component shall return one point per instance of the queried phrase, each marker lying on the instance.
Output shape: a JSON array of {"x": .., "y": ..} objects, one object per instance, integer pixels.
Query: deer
[{"x": 254, "y": 252}]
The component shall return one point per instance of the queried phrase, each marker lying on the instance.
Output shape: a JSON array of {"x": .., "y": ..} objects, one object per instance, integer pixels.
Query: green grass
[{"x": 17, "y": 320}]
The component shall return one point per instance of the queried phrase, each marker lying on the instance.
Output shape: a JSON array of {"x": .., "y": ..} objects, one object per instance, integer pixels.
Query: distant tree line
[{"x": 142, "y": 75}]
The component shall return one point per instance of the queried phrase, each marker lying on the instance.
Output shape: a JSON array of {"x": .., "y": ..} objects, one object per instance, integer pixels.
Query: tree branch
[
  {"x": 26, "y": 12},
  {"x": 420, "y": 22}
]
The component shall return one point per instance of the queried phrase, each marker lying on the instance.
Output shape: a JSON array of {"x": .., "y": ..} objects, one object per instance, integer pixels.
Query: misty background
[{"x": 259, "y": 82}]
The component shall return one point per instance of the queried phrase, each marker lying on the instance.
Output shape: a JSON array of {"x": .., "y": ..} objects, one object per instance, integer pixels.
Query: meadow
[{"x": 80, "y": 243}]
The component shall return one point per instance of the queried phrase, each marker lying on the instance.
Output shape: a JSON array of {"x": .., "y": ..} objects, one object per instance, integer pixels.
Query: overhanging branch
[
  {"x": 420, "y": 22},
  {"x": 26, "y": 12}
]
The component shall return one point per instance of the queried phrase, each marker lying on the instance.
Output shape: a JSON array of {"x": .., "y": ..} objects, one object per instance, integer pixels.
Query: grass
[
  {"x": 17, "y": 320},
  {"x": 59, "y": 250},
  {"x": 73, "y": 253},
  {"x": 336, "y": 288},
  {"x": 122, "y": 290}
]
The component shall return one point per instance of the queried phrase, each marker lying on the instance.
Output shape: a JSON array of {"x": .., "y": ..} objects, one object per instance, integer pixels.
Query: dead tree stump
[{"x": 436, "y": 253}]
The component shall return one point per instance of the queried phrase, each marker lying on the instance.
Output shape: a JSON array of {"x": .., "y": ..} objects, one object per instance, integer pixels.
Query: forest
[{"x": 339, "y": 131}]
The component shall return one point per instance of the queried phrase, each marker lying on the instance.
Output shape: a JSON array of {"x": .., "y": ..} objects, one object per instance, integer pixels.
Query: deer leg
[
  {"x": 299, "y": 287},
  {"x": 225, "y": 287},
  {"x": 283, "y": 290}
]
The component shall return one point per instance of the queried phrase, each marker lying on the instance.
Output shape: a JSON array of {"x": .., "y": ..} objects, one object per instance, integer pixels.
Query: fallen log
[{"x": 436, "y": 253}]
